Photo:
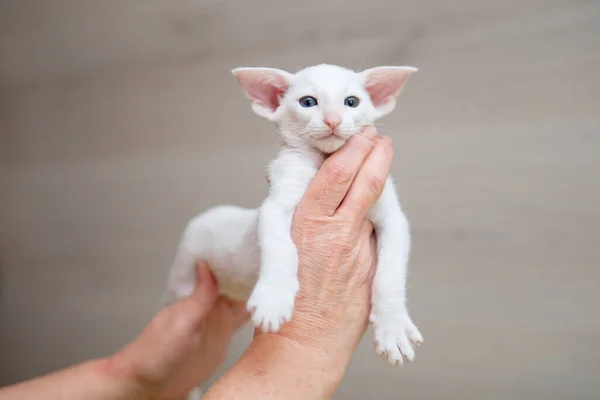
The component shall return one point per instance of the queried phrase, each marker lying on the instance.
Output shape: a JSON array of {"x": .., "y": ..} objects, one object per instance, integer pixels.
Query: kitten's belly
[{"x": 231, "y": 249}]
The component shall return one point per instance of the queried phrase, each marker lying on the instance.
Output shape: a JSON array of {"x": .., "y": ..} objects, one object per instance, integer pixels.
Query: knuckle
[
  {"x": 347, "y": 236},
  {"x": 341, "y": 228},
  {"x": 339, "y": 172},
  {"x": 346, "y": 243},
  {"x": 376, "y": 184}
]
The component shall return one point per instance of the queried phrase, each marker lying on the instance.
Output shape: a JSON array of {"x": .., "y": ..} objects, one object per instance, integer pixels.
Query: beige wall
[{"x": 115, "y": 119}]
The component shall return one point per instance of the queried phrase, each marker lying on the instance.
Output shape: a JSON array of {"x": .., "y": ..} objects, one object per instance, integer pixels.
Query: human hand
[
  {"x": 184, "y": 343},
  {"x": 337, "y": 248},
  {"x": 307, "y": 357}
]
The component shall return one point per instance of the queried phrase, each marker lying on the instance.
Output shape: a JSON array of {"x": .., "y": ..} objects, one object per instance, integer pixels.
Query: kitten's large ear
[
  {"x": 264, "y": 87},
  {"x": 384, "y": 84}
]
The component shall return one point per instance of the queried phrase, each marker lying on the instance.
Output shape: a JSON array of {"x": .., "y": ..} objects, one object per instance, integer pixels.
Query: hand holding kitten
[{"x": 337, "y": 247}]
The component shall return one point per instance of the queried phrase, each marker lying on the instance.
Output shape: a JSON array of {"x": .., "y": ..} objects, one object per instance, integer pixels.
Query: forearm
[
  {"x": 90, "y": 381},
  {"x": 275, "y": 367}
]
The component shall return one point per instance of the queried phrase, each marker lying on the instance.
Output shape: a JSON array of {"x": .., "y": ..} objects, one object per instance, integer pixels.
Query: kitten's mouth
[
  {"x": 333, "y": 134},
  {"x": 329, "y": 142}
]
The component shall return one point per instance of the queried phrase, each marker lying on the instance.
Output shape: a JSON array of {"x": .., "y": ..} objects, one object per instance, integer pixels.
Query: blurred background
[{"x": 120, "y": 120}]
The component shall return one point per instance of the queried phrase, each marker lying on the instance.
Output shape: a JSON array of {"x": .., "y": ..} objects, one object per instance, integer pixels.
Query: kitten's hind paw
[
  {"x": 395, "y": 337},
  {"x": 272, "y": 305}
]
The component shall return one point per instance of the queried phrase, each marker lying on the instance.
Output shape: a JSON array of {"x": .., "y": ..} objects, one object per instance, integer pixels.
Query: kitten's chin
[{"x": 329, "y": 144}]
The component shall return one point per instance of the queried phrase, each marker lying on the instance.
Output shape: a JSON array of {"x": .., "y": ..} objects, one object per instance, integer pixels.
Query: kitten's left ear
[
  {"x": 265, "y": 87},
  {"x": 384, "y": 84}
]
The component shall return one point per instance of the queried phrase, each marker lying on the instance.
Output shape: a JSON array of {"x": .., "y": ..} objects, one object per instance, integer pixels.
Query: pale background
[{"x": 120, "y": 120}]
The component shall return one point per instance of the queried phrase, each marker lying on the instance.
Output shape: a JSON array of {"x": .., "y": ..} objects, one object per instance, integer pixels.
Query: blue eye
[
  {"x": 352, "y": 101},
  {"x": 308, "y": 101}
]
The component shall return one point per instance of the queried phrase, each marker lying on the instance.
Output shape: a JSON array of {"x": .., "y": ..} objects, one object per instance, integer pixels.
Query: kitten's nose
[{"x": 332, "y": 120}]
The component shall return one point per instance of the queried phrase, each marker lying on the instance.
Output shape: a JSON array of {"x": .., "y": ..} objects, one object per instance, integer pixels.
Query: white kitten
[{"x": 251, "y": 251}]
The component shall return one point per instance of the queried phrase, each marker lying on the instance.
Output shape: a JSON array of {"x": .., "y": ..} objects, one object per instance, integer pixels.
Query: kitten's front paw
[
  {"x": 271, "y": 304},
  {"x": 394, "y": 338}
]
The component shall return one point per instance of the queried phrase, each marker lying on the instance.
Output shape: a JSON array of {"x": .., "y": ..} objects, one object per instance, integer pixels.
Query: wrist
[
  {"x": 124, "y": 379},
  {"x": 308, "y": 363},
  {"x": 331, "y": 338},
  {"x": 277, "y": 367}
]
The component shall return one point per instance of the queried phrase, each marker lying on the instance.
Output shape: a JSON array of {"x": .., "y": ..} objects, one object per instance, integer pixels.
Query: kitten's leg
[
  {"x": 393, "y": 327},
  {"x": 272, "y": 300}
]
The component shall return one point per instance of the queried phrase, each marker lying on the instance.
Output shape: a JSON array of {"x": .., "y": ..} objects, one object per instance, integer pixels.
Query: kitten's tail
[
  {"x": 182, "y": 275},
  {"x": 182, "y": 279}
]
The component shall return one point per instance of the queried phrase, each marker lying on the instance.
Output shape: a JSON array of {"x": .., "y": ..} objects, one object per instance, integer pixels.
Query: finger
[
  {"x": 203, "y": 299},
  {"x": 330, "y": 184},
  {"x": 369, "y": 182},
  {"x": 369, "y": 132}
]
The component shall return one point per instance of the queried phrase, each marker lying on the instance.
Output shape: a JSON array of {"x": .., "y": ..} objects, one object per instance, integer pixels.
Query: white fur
[{"x": 251, "y": 250}]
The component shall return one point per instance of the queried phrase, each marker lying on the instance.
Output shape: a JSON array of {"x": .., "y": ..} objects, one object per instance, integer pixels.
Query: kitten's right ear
[{"x": 265, "y": 87}]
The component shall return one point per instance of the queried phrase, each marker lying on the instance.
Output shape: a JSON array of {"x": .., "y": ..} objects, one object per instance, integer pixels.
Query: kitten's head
[{"x": 323, "y": 105}]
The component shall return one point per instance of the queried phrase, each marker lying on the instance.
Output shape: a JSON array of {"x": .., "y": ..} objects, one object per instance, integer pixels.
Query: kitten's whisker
[
  {"x": 306, "y": 135},
  {"x": 298, "y": 66},
  {"x": 362, "y": 62}
]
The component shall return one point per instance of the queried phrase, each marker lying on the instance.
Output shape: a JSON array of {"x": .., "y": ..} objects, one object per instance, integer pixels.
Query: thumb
[{"x": 203, "y": 299}]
